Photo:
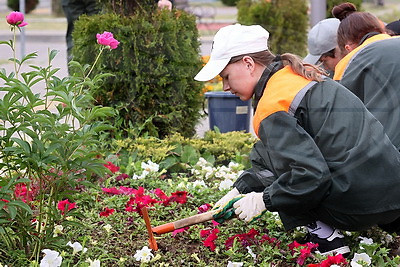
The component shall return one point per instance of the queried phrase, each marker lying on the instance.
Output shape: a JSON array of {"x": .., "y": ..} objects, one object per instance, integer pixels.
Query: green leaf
[
  {"x": 53, "y": 53},
  {"x": 23, "y": 144},
  {"x": 12, "y": 211},
  {"x": 189, "y": 155}
]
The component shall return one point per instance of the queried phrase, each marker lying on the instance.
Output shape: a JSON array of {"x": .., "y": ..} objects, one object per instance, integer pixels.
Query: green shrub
[
  {"x": 29, "y": 5},
  {"x": 175, "y": 151},
  {"x": 152, "y": 88},
  {"x": 286, "y": 21},
  {"x": 229, "y": 2},
  {"x": 331, "y": 3}
]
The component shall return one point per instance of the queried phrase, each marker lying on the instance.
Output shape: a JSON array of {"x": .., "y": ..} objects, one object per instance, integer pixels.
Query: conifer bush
[
  {"x": 152, "y": 87},
  {"x": 285, "y": 20}
]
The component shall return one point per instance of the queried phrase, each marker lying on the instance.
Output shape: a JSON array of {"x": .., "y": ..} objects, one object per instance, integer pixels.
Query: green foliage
[
  {"x": 29, "y": 5},
  {"x": 48, "y": 144},
  {"x": 331, "y": 3},
  {"x": 285, "y": 20},
  {"x": 229, "y": 2},
  {"x": 177, "y": 152},
  {"x": 127, "y": 7},
  {"x": 152, "y": 89}
]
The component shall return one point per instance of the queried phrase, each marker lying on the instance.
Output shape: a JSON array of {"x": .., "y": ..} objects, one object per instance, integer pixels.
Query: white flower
[
  {"x": 208, "y": 171},
  {"x": 233, "y": 165},
  {"x": 202, "y": 162},
  {"x": 57, "y": 230},
  {"x": 225, "y": 184},
  {"x": 107, "y": 227},
  {"x": 234, "y": 264},
  {"x": 199, "y": 183},
  {"x": 77, "y": 247},
  {"x": 150, "y": 166},
  {"x": 51, "y": 258},
  {"x": 367, "y": 241},
  {"x": 95, "y": 263},
  {"x": 143, "y": 255},
  {"x": 231, "y": 176},
  {"x": 362, "y": 258},
  {"x": 388, "y": 239},
  {"x": 251, "y": 252}
]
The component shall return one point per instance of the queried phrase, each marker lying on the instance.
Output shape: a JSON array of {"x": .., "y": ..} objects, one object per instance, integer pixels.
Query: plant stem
[
  {"x": 91, "y": 69},
  {"x": 13, "y": 48}
]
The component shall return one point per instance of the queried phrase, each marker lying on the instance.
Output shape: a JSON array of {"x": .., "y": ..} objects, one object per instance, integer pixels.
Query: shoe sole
[{"x": 342, "y": 250}]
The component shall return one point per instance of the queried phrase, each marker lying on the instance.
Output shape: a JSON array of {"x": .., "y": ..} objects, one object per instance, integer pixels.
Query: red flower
[
  {"x": 246, "y": 239},
  {"x": 4, "y": 200},
  {"x": 337, "y": 259},
  {"x": 121, "y": 177},
  {"x": 111, "y": 167},
  {"x": 65, "y": 206},
  {"x": 159, "y": 193},
  {"x": 211, "y": 237},
  {"x": 21, "y": 192},
  {"x": 107, "y": 212},
  {"x": 179, "y": 196},
  {"x": 304, "y": 249}
]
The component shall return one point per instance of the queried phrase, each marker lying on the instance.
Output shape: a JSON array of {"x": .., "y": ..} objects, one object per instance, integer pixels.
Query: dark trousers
[{"x": 73, "y": 9}]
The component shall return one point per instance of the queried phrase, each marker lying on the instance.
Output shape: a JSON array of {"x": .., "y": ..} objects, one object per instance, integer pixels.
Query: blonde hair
[{"x": 264, "y": 58}]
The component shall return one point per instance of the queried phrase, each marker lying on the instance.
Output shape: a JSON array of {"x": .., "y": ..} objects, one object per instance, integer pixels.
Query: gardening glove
[
  {"x": 250, "y": 207},
  {"x": 224, "y": 206},
  {"x": 231, "y": 194}
]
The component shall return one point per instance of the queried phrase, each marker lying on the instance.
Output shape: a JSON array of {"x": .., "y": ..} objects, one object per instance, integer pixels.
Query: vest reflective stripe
[
  {"x": 342, "y": 65},
  {"x": 284, "y": 92}
]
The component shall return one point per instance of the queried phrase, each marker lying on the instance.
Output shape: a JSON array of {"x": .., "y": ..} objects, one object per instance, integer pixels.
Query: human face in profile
[{"x": 241, "y": 77}]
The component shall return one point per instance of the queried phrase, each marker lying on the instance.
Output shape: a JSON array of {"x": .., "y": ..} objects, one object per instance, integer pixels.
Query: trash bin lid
[{"x": 220, "y": 94}]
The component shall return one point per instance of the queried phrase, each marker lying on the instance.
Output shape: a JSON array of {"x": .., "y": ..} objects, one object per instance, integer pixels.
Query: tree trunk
[{"x": 56, "y": 8}]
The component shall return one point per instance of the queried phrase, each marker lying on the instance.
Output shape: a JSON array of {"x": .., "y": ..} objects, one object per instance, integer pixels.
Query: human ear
[{"x": 249, "y": 62}]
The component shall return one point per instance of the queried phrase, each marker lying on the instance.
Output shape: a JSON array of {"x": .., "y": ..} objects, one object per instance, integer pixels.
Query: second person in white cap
[{"x": 316, "y": 161}]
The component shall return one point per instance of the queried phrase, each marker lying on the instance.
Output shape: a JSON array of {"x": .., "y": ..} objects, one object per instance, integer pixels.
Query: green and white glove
[
  {"x": 224, "y": 206},
  {"x": 231, "y": 194},
  {"x": 250, "y": 207}
]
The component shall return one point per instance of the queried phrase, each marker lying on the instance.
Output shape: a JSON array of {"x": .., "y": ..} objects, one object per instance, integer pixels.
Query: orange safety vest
[
  {"x": 283, "y": 92},
  {"x": 344, "y": 62}
]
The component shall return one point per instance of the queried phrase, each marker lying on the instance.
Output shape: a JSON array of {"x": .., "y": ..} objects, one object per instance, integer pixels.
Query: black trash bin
[{"x": 228, "y": 112}]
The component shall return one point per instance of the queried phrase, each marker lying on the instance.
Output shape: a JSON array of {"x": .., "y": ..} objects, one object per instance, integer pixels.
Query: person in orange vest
[
  {"x": 322, "y": 159},
  {"x": 371, "y": 68}
]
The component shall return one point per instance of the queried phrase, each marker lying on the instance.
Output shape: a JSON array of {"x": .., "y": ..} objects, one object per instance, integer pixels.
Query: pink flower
[
  {"x": 107, "y": 212},
  {"x": 16, "y": 18},
  {"x": 65, "y": 205},
  {"x": 204, "y": 208},
  {"x": 107, "y": 39}
]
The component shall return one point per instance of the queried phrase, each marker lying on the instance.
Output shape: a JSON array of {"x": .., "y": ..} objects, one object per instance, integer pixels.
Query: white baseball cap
[
  {"x": 230, "y": 41},
  {"x": 322, "y": 38}
]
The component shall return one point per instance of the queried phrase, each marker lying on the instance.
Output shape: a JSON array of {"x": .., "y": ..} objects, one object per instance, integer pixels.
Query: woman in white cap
[{"x": 322, "y": 160}]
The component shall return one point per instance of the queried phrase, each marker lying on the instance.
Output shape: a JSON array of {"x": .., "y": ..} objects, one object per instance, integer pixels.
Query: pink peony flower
[
  {"x": 107, "y": 39},
  {"x": 16, "y": 18}
]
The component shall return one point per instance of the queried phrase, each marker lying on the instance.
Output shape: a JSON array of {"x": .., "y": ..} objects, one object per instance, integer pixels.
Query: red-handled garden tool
[{"x": 170, "y": 227}]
